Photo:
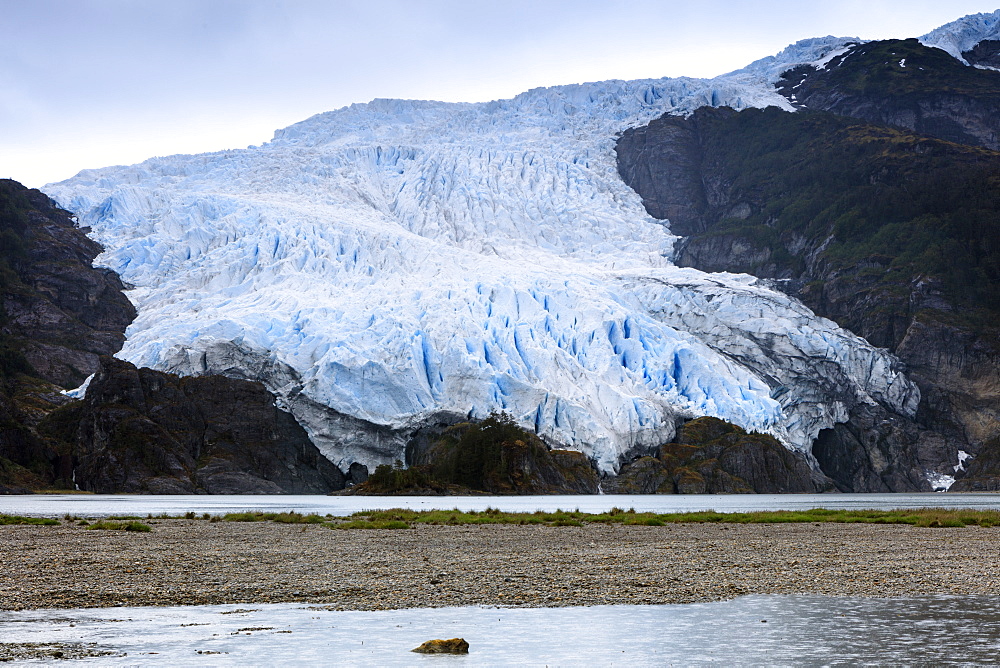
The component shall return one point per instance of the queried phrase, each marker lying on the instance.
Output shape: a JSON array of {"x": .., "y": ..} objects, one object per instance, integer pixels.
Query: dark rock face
[
  {"x": 983, "y": 473},
  {"x": 876, "y": 451},
  {"x": 986, "y": 53},
  {"x": 57, "y": 316},
  {"x": 497, "y": 457},
  {"x": 63, "y": 312},
  {"x": 846, "y": 216},
  {"x": 905, "y": 84},
  {"x": 144, "y": 431},
  {"x": 662, "y": 162},
  {"x": 715, "y": 457}
]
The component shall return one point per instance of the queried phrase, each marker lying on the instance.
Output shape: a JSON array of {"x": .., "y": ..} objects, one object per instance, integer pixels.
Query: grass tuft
[{"x": 18, "y": 519}]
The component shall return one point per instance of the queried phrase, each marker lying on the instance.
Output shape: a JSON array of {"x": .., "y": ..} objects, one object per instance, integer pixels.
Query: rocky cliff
[
  {"x": 888, "y": 232},
  {"x": 58, "y": 315},
  {"x": 711, "y": 456},
  {"x": 140, "y": 431}
]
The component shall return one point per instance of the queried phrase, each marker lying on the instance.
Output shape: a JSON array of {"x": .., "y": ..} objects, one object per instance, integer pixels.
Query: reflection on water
[
  {"x": 753, "y": 630},
  {"x": 98, "y": 505}
]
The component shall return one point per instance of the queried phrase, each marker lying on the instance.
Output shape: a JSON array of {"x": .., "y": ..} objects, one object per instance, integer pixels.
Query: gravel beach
[{"x": 191, "y": 562}]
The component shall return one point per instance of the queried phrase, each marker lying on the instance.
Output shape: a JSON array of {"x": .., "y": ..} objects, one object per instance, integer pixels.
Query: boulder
[{"x": 450, "y": 646}]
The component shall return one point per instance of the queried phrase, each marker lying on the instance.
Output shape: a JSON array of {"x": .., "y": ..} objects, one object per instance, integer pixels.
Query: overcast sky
[{"x": 90, "y": 83}]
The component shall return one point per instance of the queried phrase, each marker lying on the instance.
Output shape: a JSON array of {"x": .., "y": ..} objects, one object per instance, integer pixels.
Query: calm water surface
[
  {"x": 753, "y": 630},
  {"x": 101, "y": 505}
]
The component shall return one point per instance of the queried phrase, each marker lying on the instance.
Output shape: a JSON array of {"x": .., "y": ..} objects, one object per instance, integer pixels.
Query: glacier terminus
[{"x": 390, "y": 265}]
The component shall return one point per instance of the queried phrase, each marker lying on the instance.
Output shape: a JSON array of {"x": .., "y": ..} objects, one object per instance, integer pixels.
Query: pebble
[{"x": 195, "y": 562}]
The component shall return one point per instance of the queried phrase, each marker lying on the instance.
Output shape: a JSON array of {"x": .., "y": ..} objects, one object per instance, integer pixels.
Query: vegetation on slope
[
  {"x": 875, "y": 69},
  {"x": 890, "y": 202},
  {"x": 494, "y": 456}
]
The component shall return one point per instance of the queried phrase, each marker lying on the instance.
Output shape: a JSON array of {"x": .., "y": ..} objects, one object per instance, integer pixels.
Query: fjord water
[
  {"x": 752, "y": 630},
  {"x": 103, "y": 505}
]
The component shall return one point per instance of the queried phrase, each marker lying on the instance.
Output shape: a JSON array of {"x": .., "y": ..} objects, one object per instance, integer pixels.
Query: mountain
[
  {"x": 875, "y": 204},
  {"x": 399, "y": 266}
]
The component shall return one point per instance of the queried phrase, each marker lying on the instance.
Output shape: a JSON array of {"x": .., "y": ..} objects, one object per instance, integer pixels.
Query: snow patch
[
  {"x": 79, "y": 392},
  {"x": 940, "y": 482},
  {"x": 825, "y": 60}
]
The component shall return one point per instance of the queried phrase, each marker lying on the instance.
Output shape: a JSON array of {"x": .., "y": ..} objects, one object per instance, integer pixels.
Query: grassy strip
[
  {"x": 113, "y": 525},
  {"x": 401, "y": 518},
  {"x": 18, "y": 519},
  {"x": 282, "y": 518},
  {"x": 924, "y": 517}
]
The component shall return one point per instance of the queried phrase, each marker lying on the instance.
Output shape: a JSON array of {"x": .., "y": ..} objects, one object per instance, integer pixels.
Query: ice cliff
[{"x": 388, "y": 262}]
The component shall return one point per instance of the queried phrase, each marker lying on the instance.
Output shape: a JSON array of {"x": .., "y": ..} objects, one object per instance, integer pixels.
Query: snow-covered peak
[
  {"x": 535, "y": 116},
  {"x": 960, "y": 36},
  {"x": 814, "y": 51}
]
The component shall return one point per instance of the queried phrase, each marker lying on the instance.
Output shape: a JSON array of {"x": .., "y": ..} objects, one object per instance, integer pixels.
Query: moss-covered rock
[
  {"x": 712, "y": 456},
  {"x": 493, "y": 456}
]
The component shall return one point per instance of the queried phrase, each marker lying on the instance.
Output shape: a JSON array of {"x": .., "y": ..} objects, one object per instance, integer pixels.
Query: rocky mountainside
[
  {"x": 854, "y": 207},
  {"x": 904, "y": 84},
  {"x": 140, "y": 431},
  {"x": 711, "y": 456},
  {"x": 58, "y": 315}
]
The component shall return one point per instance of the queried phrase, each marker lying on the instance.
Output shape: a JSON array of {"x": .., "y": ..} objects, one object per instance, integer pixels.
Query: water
[
  {"x": 753, "y": 630},
  {"x": 102, "y": 505}
]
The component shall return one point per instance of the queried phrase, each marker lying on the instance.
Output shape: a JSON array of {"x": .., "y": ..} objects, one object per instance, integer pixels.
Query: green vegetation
[
  {"x": 401, "y": 518},
  {"x": 113, "y": 525},
  {"x": 873, "y": 70},
  {"x": 494, "y": 456},
  {"x": 395, "y": 479},
  {"x": 926, "y": 517},
  {"x": 895, "y": 207},
  {"x": 291, "y": 517},
  {"x": 18, "y": 519},
  {"x": 481, "y": 454}
]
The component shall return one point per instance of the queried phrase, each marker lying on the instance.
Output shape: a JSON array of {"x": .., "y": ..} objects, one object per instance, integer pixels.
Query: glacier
[
  {"x": 961, "y": 35},
  {"x": 388, "y": 263}
]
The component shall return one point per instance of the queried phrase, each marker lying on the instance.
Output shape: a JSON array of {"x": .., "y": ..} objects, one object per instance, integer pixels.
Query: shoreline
[{"x": 195, "y": 562}]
